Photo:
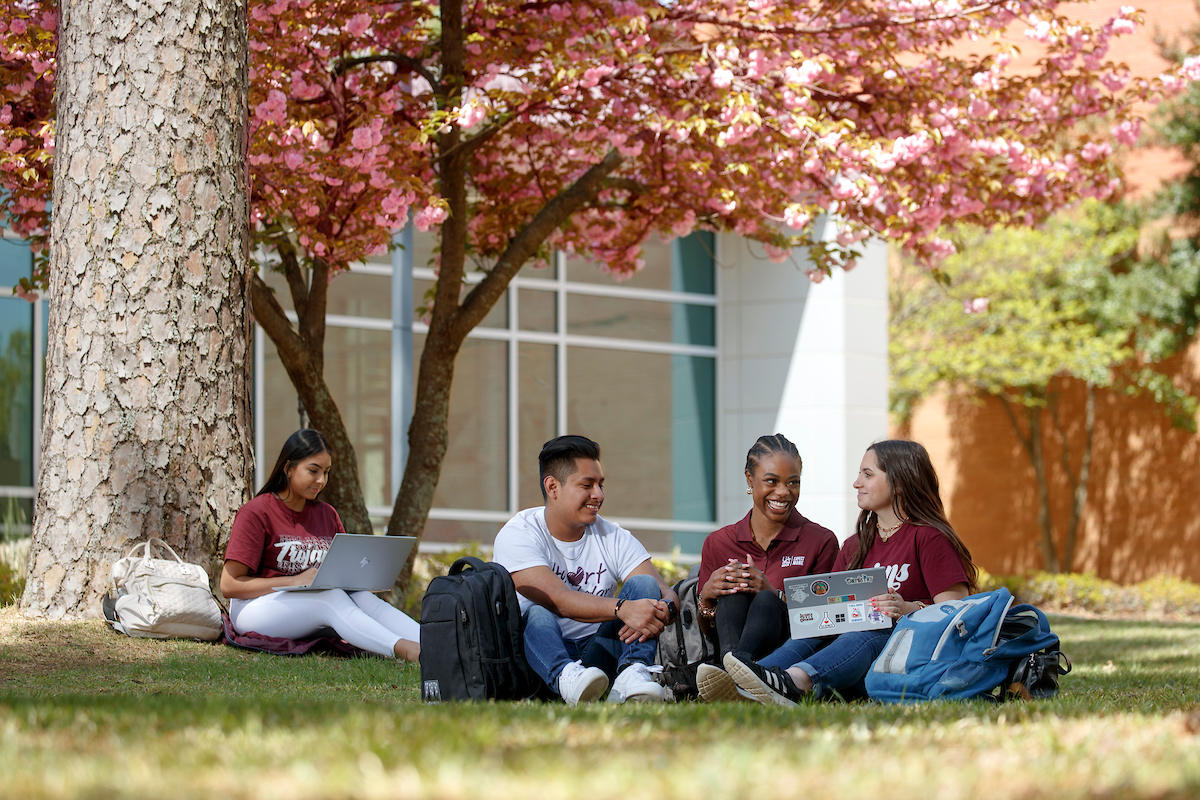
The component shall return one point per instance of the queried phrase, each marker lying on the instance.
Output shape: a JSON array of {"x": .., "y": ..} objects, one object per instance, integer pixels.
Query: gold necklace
[{"x": 886, "y": 533}]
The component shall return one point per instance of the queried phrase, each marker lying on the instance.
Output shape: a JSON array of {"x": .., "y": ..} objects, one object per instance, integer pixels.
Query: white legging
[{"x": 361, "y": 618}]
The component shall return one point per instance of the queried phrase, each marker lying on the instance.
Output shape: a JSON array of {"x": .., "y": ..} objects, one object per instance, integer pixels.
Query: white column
[{"x": 805, "y": 360}]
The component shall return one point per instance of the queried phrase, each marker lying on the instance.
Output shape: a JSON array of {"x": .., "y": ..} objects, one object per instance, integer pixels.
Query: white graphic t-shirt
[{"x": 605, "y": 555}]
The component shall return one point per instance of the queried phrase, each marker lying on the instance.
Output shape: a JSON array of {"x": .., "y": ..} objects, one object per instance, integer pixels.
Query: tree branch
[
  {"x": 399, "y": 60},
  {"x": 526, "y": 243}
]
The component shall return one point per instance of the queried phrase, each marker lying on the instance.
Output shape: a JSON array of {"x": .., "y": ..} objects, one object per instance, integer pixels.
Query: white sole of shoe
[
  {"x": 745, "y": 678},
  {"x": 717, "y": 686},
  {"x": 594, "y": 690}
]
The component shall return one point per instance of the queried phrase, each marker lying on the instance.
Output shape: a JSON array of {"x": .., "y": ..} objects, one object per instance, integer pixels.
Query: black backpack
[
  {"x": 471, "y": 646},
  {"x": 682, "y": 646}
]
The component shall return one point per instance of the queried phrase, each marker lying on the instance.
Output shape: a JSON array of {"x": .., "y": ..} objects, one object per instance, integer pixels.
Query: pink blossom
[
  {"x": 6, "y": 115},
  {"x": 1128, "y": 131},
  {"x": 1190, "y": 68},
  {"x": 428, "y": 217},
  {"x": 1123, "y": 27},
  {"x": 1095, "y": 150},
  {"x": 358, "y": 24},
  {"x": 795, "y": 217},
  {"x": 20, "y": 292},
  {"x": 722, "y": 78},
  {"x": 977, "y": 306},
  {"x": 293, "y": 159},
  {"x": 814, "y": 275}
]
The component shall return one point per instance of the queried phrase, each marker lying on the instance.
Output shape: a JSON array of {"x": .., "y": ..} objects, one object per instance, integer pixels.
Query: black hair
[
  {"x": 300, "y": 445},
  {"x": 558, "y": 457},
  {"x": 767, "y": 445},
  {"x": 916, "y": 497}
]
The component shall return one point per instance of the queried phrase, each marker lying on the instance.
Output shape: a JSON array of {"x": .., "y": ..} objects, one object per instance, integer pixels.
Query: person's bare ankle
[
  {"x": 800, "y": 678},
  {"x": 409, "y": 651}
]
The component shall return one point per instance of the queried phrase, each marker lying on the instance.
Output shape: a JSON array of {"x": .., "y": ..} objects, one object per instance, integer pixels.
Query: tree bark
[
  {"x": 1078, "y": 482},
  {"x": 301, "y": 350},
  {"x": 146, "y": 413},
  {"x": 1034, "y": 450}
]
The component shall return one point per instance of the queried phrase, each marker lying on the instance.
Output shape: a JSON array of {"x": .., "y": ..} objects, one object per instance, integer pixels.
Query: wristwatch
[{"x": 674, "y": 609}]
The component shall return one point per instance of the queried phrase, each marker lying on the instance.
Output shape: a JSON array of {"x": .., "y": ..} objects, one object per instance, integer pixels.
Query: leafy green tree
[{"x": 1020, "y": 314}]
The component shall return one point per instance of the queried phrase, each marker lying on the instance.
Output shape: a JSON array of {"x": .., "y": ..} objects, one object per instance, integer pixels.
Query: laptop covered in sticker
[{"x": 833, "y": 603}]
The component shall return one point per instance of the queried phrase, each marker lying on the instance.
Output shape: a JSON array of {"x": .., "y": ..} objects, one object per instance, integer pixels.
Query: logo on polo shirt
[{"x": 792, "y": 561}]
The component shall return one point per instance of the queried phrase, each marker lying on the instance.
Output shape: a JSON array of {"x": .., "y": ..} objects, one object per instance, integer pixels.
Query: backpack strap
[{"x": 467, "y": 561}]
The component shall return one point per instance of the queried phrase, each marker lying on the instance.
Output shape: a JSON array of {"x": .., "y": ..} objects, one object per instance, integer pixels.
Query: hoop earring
[{"x": 749, "y": 490}]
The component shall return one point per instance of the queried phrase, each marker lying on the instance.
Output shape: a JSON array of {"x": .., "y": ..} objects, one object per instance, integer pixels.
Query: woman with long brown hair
[{"x": 902, "y": 527}]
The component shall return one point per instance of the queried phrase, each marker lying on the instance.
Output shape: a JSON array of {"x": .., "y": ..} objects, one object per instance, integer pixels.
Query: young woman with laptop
[
  {"x": 279, "y": 539},
  {"x": 903, "y": 528},
  {"x": 743, "y": 565}
]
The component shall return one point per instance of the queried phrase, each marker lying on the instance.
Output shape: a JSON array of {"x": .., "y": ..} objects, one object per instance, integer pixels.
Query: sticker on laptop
[
  {"x": 856, "y": 612},
  {"x": 803, "y": 618},
  {"x": 797, "y": 593},
  {"x": 860, "y": 579},
  {"x": 819, "y": 588},
  {"x": 875, "y": 615},
  {"x": 846, "y": 598},
  {"x": 826, "y": 622}
]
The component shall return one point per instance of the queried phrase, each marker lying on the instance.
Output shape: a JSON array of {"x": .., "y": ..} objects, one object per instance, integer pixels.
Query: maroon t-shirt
[
  {"x": 920, "y": 561},
  {"x": 802, "y": 547},
  {"x": 273, "y": 540}
]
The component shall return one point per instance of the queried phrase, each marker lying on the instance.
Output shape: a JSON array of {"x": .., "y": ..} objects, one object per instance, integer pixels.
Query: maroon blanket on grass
[{"x": 287, "y": 647}]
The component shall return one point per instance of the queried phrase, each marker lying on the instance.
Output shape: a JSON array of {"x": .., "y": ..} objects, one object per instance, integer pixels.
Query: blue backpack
[{"x": 969, "y": 648}]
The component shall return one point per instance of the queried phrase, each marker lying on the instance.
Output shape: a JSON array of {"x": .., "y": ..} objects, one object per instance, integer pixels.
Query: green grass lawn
[{"x": 86, "y": 713}]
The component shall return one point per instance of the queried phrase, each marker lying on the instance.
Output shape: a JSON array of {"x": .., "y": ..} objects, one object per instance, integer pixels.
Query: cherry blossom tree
[{"x": 588, "y": 125}]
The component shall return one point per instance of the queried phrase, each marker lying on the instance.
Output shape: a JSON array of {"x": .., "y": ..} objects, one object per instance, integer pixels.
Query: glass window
[
  {"x": 475, "y": 471},
  {"x": 16, "y": 517},
  {"x": 654, "y": 417},
  {"x": 655, "y": 275},
  {"x": 453, "y": 531},
  {"x": 16, "y": 261},
  {"x": 16, "y": 392},
  {"x": 538, "y": 310},
  {"x": 278, "y": 283},
  {"x": 422, "y": 297},
  {"x": 358, "y": 373},
  {"x": 360, "y": 295},
  {"x": 641, "y": 320},
  {"x": 537, "y": 368},
  {"x": 548, "y": 273}
]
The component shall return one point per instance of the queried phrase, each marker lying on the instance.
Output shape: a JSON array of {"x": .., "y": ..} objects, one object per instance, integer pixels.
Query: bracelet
[
  {"x": 617, "y": 608},
  {"x": 706, "y": 611},
  {"x": 919, "y": 605}
]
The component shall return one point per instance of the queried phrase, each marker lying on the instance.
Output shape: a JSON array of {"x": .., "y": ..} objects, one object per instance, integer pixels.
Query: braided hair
[{"x": 769, "y": 445}]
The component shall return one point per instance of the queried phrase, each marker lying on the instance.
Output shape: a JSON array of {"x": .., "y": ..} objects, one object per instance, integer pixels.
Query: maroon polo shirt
[
  {"x": 802, "y": 547},
  {"x": 919, "y": 559}
]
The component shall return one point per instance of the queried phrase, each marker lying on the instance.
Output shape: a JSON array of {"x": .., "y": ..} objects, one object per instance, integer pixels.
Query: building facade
[{"x": 675, "y": 371}]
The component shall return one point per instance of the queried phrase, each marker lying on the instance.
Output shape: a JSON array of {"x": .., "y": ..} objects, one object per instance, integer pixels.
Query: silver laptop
[
  {"x": 836, "y": 602},
  {"x": 358, "y": 562}
]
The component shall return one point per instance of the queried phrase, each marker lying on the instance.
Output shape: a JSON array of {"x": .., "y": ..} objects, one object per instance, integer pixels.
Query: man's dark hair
[{"x": 558, "y": 457}]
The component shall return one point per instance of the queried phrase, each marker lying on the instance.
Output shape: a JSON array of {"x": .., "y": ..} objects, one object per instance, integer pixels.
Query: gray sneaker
[{"x": 579, "y": 684}]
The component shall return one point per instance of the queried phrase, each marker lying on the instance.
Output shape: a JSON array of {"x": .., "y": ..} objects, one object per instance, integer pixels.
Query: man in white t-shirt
[{"x": 566, "y": 561}]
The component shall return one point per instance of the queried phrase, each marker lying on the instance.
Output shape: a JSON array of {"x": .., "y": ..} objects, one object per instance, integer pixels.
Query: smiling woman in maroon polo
[{"x": 743, "y": 565}]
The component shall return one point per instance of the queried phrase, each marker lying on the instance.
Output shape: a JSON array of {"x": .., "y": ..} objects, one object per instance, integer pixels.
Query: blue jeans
[
  {"x": 548, "y": 652},
  {"x": 837, "y": 664}
]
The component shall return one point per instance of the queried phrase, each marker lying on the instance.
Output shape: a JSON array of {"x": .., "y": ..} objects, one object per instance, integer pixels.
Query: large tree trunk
[
  {"x": 302, "y": 352},
  {"x": 147, "y": 404}
]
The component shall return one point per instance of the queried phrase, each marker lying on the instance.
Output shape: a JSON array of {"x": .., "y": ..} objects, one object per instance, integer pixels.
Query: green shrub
[
  {"x": 12, "y": 584},
  {"x": 1169, "y": 595}
]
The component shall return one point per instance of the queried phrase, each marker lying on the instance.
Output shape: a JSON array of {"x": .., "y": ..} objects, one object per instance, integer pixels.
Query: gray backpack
[{"x": 682, "y": 646}]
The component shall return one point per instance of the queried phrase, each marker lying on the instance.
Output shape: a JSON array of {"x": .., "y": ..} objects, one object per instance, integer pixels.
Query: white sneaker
[
  {"x": 579, "y": 684},
  {"x": 716, "y": 685},
  {"x": 636, "y": 684}
]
